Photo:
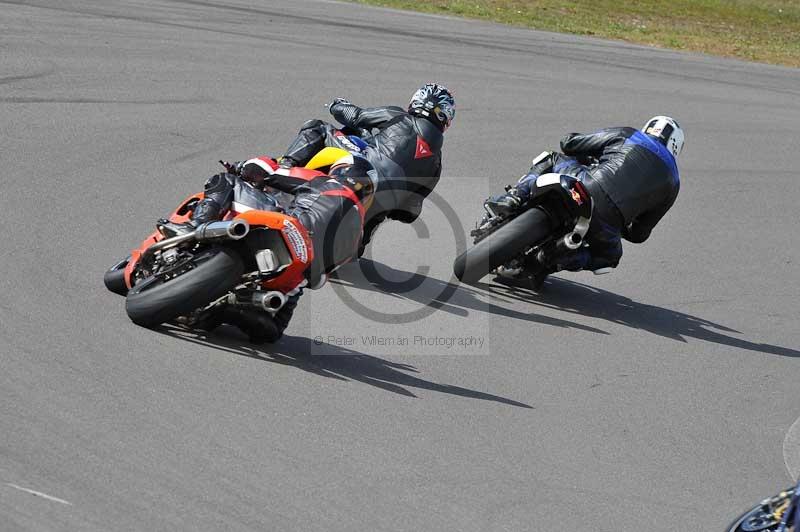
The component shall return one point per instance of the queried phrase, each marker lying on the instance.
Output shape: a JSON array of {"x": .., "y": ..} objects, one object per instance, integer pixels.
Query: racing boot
[
  {"x": 504, "y": 204},
  {"x": 523, "y": 278},
  {"x": 207, "y": 321},
  {"x": 601, "y": 265},
  {"x": 258, "y": 325},
  {"x": 531, "y": 275},
  {"x": 207, "y": 210}
]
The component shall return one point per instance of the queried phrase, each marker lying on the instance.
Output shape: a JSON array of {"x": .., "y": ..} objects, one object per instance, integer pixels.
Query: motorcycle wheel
[
  {"x": 114, "y": 278},
  {"x": 507, "y": 242},
  {"x": 153, "y": 301}
]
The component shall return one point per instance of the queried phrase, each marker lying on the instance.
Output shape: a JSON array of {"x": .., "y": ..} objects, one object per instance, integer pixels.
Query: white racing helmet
[{"x": 667, "y": 131}]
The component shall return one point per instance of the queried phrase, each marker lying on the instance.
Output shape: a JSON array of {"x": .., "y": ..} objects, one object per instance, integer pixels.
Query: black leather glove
[
  {"x": 254, "y": 175},
  {"x": 338, "y": 101},
  {"x": 233, "y": 168}
]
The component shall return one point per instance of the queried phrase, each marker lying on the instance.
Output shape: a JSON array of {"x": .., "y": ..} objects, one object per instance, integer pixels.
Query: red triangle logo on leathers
[{"x": 423, "y": 149}]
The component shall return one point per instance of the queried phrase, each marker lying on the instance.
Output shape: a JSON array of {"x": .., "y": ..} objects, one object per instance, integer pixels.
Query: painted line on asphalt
[
  {"x": 791, "y": 449},
  {"x": 39, "y": 494}
]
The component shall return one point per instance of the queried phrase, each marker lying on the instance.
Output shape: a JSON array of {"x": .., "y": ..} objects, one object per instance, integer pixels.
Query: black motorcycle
[
  {"x": 776, "y": 514},
  {"x": 553, "y": 222}
]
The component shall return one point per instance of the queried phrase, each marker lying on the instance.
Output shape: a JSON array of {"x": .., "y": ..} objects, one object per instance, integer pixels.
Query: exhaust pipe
[
  {"x": 271, "y": 301},
  {"x": 572, "y": 240},
  {"x": 233, "y": 230}
]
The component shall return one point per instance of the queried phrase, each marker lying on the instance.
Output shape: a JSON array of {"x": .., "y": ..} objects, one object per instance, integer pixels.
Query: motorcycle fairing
[
  {"x": 572, "y": 194},
  {"x": 326, "y": 157}
]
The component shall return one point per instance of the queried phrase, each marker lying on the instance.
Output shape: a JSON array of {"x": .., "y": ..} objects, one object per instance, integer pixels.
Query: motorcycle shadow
[
  {"x": 334, "y": 362},
  {"x": 558, "y": 294},
  {"x": 584, "y": 300},
  {"x": 447, "y": 296}
]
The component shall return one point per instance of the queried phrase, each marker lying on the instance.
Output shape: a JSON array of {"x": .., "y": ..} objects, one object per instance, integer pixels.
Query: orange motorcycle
[{"x": 255, "y": 258}]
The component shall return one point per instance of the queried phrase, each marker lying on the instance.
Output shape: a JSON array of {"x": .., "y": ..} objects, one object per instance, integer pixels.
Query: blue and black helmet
[{"x": 434, "y": 102}]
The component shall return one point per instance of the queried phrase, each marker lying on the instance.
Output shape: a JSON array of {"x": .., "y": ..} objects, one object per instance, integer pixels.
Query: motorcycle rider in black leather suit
[
  {"x": 633, "y": 184},
  {"x": 330, "y": 207},
  {"x": 403, "y": 145}
]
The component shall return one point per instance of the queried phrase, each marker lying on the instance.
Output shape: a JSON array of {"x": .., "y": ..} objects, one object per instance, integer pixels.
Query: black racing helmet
[{"x": 434, "y": 102}]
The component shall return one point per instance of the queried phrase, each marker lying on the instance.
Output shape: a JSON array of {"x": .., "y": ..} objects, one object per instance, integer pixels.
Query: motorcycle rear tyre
[
  {"x": 149, "y": 305},
  {"x": 528, "y": 229}
]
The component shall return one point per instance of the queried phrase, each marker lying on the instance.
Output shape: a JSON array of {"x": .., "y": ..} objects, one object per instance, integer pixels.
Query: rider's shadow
[
  {"x": 558, "y": 294},
  {"x": 447, "y": 296},
  {"x": 584, "y": 300},
  {"x": 335, "y": 362}
]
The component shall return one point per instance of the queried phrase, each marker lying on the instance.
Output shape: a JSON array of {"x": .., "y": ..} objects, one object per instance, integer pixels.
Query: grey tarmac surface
[{"x": 655, "y": 398}]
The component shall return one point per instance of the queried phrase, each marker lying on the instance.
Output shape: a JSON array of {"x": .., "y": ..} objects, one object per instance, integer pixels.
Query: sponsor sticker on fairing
[
  {"x": 296, "y": 240},
  {"x": 349, "y": 144}
]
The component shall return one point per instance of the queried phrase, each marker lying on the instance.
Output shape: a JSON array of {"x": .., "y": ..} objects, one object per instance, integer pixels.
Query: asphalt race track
[{"x": 655, "y": 398}]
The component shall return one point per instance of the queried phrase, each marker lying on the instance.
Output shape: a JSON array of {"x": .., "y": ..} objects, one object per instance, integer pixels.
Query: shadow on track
[
  {"x": 334, "y": 362},
  {"x": 576, "y": 298},
  {"x": 559, "y": 294},
  {"x": 449, "y": 297}
]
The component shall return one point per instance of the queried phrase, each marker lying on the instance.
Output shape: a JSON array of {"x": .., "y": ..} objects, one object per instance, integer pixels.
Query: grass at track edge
[{"x": 765, "y": 31}]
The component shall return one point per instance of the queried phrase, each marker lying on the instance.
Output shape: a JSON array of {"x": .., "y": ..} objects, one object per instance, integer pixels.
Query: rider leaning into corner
[
  {"x": 330, "y": 207},
  {"x": 633, "y": 184},
  {"x": 403, "y": 145},
  {"x": 334, "y": 208}
]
